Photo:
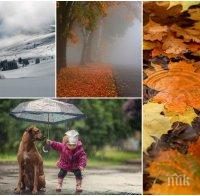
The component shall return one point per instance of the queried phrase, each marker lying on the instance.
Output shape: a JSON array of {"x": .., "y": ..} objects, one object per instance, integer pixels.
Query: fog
[
  {"x": 116, "y": 41},
  {"x": 119, "y": 45},
  {"x": 25, "y": 17},
  {"x": 126, "y": 50}
]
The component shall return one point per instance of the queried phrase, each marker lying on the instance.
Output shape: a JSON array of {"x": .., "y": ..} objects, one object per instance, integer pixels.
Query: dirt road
[{"x": 113, "y": 180}]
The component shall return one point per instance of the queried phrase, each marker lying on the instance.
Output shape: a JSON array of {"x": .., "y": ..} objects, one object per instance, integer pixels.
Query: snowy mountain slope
[{"x": 27, "y": 46}]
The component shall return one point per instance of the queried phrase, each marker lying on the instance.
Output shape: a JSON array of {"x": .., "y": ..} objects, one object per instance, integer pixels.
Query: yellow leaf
[
  {"x": 185, "y": 4},
  {"x": 186, "y": 117},
  {"x": 154, "y": 124}
]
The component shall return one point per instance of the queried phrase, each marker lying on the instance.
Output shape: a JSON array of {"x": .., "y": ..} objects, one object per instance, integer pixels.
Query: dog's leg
[
  {"x": 23, "y": 187},
  {"x": 41, "y": 183},
  {"x": 35, "y": 183},
  {"x": 18, "y": 187}
]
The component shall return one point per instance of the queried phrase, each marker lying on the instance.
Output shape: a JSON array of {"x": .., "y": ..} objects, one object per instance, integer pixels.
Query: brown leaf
[
  {"x": 154, "y": 31},
  {"x": 188, "y": 34},
  {"x": 160, "y": 12},
  {"x": 173, "y": 45}
]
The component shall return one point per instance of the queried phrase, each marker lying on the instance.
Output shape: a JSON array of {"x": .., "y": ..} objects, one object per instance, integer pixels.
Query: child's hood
[{"x": 79, "y": 144}]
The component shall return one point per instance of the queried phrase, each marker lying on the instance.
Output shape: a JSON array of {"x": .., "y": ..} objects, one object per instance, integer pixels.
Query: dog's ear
[{"x": 29, "y": 129}]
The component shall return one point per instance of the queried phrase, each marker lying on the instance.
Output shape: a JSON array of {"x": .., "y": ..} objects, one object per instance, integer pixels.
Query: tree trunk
[
  {"x": 99, "y": 40},
  {"x": 86, "y": 56},
  {"x": 61, "y": 50},
  {"x": 83, "y": 59},
  {"x": 89, "y": 48},
  {"x": 64, "y": 25}
]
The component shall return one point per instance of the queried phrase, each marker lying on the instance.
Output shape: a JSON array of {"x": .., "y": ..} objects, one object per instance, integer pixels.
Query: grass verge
[{"x": 101, "y": 159}]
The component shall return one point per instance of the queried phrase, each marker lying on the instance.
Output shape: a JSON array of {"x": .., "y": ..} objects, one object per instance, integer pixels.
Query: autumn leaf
[
  {"x": 194, "y": 11},
  {"x": 172, "y": 165},
  {"x": 183, "y": 139},
  {"x": 154, "y": 123},
  {"x": 187, "y": 117},
  {"x": 158, "y": 51},
  {"x": 172, "y": 95},
  {"x": 194, "y": 149},
  {"x": 86, "y": 81},
  {"x": 154, "y": 31},
  {"x": 148, "y": 93},
  {"x": 185, "y": 4},
  {"x": 161, "y": 12},
  {"x": 179, "y": 87},
  {"x": 189, "y": 34},
  {"x": 157, "y": 121},
  {"x": 193, "y": 47},
  {"x": 148, "y": 45},
  {"x": 174, "y": 45}
]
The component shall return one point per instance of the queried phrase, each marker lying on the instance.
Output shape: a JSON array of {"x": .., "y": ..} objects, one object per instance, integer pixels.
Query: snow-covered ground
[
  {"x": 36, "y": 80},
  {"x": 34, "y": 70}
]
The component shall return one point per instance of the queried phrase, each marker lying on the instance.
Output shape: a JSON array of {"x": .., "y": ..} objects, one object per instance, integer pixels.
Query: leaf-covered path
[
  {"x": 86, "y": 81},
  {"x": 125, "y": 179}
]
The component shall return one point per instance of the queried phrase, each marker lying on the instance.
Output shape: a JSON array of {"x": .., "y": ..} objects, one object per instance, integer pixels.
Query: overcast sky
[{"x": 25, "y": 16}]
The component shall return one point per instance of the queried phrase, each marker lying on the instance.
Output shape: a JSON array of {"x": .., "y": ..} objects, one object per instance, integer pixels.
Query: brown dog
[{"x": 31, "y": 174}]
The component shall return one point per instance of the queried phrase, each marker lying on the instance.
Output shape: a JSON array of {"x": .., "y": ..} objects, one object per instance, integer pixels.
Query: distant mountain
[{"x": 29, "y": 45}]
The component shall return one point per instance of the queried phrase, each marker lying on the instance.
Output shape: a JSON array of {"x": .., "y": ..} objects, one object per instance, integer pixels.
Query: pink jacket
[{"x": 70, "y": 160}]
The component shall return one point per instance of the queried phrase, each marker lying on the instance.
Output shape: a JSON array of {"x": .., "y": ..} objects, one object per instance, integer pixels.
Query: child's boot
[
  {"x": 78, "y": 185},
  {"x": 59, "y": 185}
]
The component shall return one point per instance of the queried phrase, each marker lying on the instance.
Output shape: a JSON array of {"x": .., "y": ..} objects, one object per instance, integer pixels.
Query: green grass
[
  {"x": 108, "y": 157},
  {"x": 8, "y": 158}
]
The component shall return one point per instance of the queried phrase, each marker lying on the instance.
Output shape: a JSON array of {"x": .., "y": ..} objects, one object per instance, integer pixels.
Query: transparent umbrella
[{"x": 47, "y": 111}]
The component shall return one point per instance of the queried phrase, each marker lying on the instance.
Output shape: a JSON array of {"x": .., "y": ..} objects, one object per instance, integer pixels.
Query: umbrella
[{"x": 47, "y": 111}]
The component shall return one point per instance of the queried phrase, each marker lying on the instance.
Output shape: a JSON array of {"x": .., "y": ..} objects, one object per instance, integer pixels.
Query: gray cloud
[{"x": 25, "y": 16}]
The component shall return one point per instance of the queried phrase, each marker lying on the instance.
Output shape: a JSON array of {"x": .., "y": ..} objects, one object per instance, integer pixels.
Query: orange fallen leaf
[
  {"x": 179, "y": 87},
  {"x": 86, "y": 81},
  {"x": 178, "y": 173}
]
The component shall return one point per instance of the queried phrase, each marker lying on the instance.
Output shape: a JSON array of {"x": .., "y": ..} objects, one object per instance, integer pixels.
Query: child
[{"x": 72, "y": 158}]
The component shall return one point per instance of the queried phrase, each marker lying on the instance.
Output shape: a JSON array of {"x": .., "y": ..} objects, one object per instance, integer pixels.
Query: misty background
[
  {"x": 25, "y": 17},
  {"x": 20, "y": 20},
  {"x": 116, "y": 41},
  {"x": 119, "y": 38}
]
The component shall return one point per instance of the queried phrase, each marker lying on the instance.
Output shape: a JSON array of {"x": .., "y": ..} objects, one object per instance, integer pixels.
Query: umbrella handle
[
  {"x": 44, "y": 150},
  {"x": 46, "y": 147}
]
